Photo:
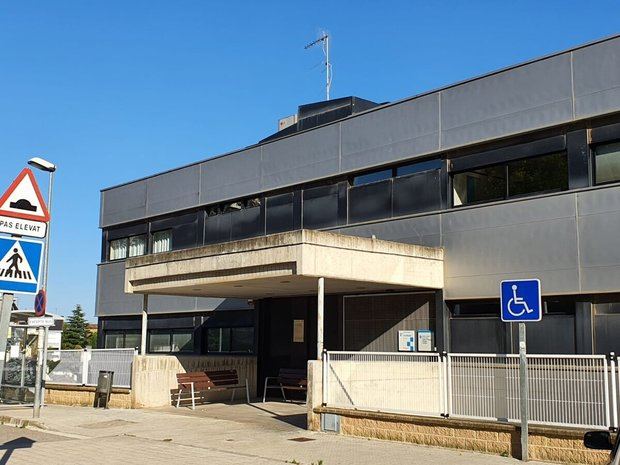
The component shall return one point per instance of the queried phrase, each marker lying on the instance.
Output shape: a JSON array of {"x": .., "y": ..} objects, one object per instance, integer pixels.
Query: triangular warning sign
[
  {"x": 14, "y": 266},
  {"x": 23, "y": 199}
]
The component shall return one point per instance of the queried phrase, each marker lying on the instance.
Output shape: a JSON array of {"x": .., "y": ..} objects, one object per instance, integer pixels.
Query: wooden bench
[
  {"x": 288, "y": 379},
  {"x": 210, "y": 381}
]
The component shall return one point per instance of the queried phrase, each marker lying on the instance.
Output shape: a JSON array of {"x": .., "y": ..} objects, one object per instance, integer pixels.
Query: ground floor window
[
  {"x": 230, "y": 340},
  {"x": 166, "y": 341},
  {"x": 122, "y": 340}
]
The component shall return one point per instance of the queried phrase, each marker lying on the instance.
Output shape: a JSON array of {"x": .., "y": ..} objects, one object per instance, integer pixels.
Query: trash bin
[{"x": 104, "y": 389}]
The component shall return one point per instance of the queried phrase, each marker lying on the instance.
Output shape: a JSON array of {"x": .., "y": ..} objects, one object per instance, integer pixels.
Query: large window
[
  {"x": 607, "y": 163},
  {"x": 162, "y": 241},
  {"x": 122, "y": 340},
  {"x": 527, "y": 176},
  {"x": 128, "y": 247},
  {"x": 230, "y": 340},
  {"x": 167, "y": 341}
]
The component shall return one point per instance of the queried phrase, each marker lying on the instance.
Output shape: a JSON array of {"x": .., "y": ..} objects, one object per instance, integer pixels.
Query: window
[
  {"x": 230, "y": 340},
  {"x": 481, "y": 185},
  {"x": 171, "y": 341},
  {"x": 118, "y": 249},
  {"x": 128, "y": 247},
  {"x": 538, "y": 174},
  {"x": 419, "y": 167},
  {"x": 162, "y": 241},
  {"x": 122, "y": 340},
  {"x": 533, "y": 175},
  {"x": 321, "y": 207},
  {"x": 372, "y": 177},
  {"x": 607, "y": 163},
  {"x": 137, "y": 245}
]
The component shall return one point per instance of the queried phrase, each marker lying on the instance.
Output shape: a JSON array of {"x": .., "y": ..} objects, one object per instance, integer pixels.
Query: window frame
[
  {"x": 126, "y": 240},
  {"x": 230, "y": 329},
  {"x": 169, "y": 333},
  {"x": 593, "y": 158}
]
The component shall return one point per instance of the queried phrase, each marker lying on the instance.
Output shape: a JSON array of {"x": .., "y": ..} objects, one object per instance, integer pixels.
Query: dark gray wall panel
[
  {"x": 171, "y": 304},
  {"x": 534, "y": 238},
  {"x": 111, "y": 298},
  {"x": 520, "y": 99},
  {"x": 123, "y": 203},
  {"x": 172, "y": 191},
  {"x": 599, "y": 239},
  {"x": 229, "y": 177},
  {"x": 310, "y": 155},
  {"x": 597, "y": 78},
  {"x": 400, "y": 131},
  {"x": 423, "y": 230}
]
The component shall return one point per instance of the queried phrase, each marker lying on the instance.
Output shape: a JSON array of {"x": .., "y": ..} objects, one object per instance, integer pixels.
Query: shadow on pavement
[
  {"x": 297, "y": 420},
  {"x": 9, "y": 446}
]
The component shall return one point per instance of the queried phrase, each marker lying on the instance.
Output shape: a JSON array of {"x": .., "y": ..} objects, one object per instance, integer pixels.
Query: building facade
[{"x": 515, "y": 174}]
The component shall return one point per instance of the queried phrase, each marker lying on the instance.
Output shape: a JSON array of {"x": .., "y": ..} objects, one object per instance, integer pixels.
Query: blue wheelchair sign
[{"x": 521, "y": 301}]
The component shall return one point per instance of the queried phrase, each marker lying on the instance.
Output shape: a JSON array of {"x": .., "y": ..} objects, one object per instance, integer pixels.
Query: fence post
[
  {"x": 606, "y": 388},
  {"x": 85, "y": 359},
  {"x": 449, "y": 379},
  {"x": 614, "y": 396}
]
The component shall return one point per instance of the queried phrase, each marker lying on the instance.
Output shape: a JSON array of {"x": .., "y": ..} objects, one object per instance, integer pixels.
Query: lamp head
[{"x": 42, "y": 164}]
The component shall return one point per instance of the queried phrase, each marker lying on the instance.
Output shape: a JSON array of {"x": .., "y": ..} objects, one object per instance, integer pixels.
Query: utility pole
[{"x": 324, "y": 41}]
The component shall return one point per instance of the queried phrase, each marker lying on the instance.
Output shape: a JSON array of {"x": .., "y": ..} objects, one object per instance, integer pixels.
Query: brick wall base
[
  {"x": 84, "y": 396},
  {"x": 545, "y": 443}
]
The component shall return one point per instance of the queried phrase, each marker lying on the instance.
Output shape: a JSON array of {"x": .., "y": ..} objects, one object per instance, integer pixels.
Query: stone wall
[
  {"x": 546, "y": 444},
  {"x": 154, "y": 376},
  {"x": 84, "y": 396}
]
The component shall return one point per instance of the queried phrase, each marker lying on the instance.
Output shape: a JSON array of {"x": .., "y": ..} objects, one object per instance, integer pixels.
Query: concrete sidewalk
[{"x": 270, "y": 433}]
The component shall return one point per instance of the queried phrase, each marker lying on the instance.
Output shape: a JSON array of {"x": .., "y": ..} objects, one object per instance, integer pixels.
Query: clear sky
[{"x": 115, "y": 90}]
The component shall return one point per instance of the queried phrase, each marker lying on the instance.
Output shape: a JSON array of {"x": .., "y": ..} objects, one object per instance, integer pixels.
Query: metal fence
[
  {"x": 389, "y": 382},
  {"x": 564, "y": 390},
  {"x": 81, "y": 367}
]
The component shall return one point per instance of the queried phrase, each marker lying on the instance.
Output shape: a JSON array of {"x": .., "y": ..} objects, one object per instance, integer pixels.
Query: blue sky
[{"x": 115, "y": 90}]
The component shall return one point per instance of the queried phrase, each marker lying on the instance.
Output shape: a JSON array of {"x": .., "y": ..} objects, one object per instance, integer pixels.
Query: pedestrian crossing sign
[{"x": 20, "y": 265}]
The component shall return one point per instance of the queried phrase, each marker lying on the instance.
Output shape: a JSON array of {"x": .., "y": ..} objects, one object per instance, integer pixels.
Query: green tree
[
  {"x": 75, "y": 334},
  {"x": 92, "y": 339}
]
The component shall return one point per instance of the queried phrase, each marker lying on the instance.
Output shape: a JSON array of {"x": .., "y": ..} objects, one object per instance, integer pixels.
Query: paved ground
[{"x": 216, "y": 434}]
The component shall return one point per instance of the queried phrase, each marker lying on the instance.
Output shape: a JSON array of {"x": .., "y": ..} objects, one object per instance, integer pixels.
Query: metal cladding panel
[
  {"x": 233, "y": 176},
  {"x": 599, "y": 239},
  {"x": 597, "y": 78},
  {"x": 422, "y": 230},
  {"x": 123, "y": 204},
  {"x": 393, "y": 133},
  {"x": 175, "y": 190},
  {"x": 111, "y": 297},
  {"x": 521, "y": 99},
  {"x": 529, "y": 239},
  {"x": 171, "y": 304},
  {"x": 307, "y": 156}
]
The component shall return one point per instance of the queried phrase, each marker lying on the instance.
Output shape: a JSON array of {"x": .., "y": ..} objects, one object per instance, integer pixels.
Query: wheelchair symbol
[{"x": 514, "y": 301}]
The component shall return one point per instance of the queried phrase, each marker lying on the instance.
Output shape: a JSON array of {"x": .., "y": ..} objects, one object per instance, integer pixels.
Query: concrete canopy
[{"x": 287, "y": 264}]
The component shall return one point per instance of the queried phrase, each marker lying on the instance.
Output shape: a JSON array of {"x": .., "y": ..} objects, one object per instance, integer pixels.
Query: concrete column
[
  {"x": 145, "y": 305},
  {"x": 319, "y": 318}
]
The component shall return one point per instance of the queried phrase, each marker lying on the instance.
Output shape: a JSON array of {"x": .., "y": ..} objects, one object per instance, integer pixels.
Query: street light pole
[{"x": 43, "y": 165}]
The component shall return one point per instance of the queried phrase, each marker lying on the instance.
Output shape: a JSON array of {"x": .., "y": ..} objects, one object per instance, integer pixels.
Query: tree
[{"x": 75, "y": 334}]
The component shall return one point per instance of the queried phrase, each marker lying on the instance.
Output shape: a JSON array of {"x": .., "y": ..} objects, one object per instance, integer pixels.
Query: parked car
[{"x": 602, "y": 440}]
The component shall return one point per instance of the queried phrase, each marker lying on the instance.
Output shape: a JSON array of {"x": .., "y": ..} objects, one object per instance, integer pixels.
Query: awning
[{"x": 287, "y": 264}]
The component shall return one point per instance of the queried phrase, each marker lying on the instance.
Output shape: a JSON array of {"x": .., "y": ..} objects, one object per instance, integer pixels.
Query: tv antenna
[{"x": 324, "y": 41}]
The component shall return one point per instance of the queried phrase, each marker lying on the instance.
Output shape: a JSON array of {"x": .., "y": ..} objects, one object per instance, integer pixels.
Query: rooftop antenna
[{"x": 324, "y": 41}]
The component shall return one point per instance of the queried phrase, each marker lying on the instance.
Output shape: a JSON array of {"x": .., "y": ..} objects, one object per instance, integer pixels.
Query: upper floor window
[
  {"x": 607, "y": 163},
  {"x": 527, "y": 176},
  {"x": 372, "y": 177},
  {"x": 162, "y": 241},
  {"x": 128, "y": 247},
  {"x": 419, "y": 167}
]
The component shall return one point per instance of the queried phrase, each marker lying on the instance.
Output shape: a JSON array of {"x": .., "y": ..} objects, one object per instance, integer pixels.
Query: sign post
[
  {"x": 521, "y": 303},
  {"x": 24, "y": 213}
]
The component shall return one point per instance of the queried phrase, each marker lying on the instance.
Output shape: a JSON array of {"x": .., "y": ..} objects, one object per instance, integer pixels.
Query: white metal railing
[
  {"x": 564, "y": 390},
  {"x": 389, "y": 382},
  {"x": 81, "y": 367}
]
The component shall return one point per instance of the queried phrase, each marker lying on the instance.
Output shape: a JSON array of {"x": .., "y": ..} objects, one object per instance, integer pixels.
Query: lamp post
[{"x": 49, "y": 167}]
